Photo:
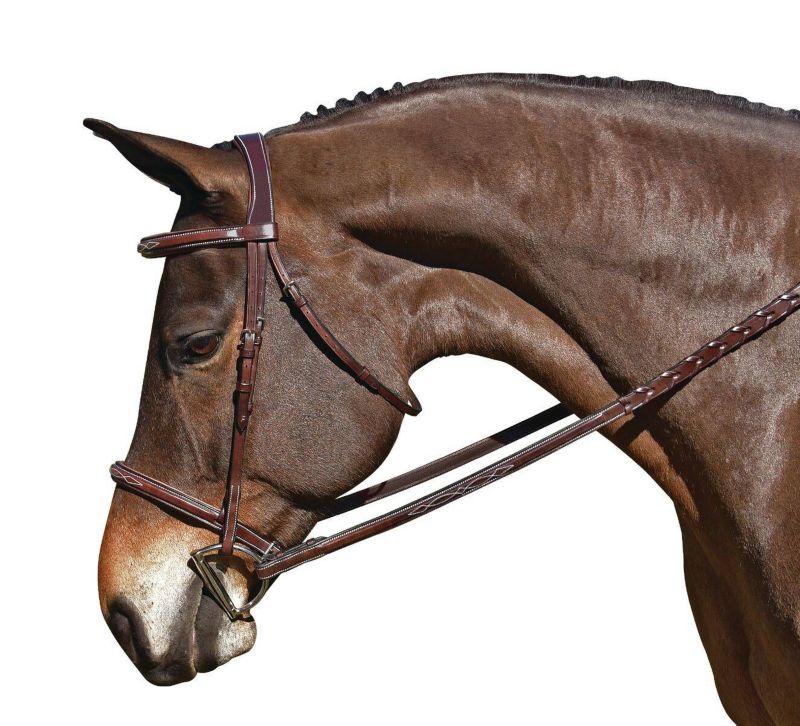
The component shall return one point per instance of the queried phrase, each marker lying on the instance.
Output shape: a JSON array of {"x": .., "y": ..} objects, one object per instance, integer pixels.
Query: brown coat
[{"x": 541, "y": 222}]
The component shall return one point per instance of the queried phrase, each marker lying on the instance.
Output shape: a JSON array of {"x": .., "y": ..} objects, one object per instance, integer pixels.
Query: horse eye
[{"x": 201, "y": 345}]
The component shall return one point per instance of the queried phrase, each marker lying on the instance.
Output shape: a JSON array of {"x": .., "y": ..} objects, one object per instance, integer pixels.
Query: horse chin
[{"x": 217, "y": 638}]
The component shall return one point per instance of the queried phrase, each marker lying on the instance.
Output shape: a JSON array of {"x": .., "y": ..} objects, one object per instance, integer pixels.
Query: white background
[{"x": 585, "y": 621}]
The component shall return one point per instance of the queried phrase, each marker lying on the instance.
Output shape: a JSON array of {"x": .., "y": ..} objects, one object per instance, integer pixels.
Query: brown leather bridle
[{"x": 259, "y": 236}]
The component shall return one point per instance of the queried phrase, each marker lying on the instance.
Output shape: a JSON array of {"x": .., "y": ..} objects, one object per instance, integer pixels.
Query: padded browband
[{"x": 161, "y": 245}]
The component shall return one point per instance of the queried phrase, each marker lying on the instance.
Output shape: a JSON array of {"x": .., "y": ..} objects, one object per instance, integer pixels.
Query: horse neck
[
  {"x": 585, "y": 205},
  {"x": 582, "y": 236}
]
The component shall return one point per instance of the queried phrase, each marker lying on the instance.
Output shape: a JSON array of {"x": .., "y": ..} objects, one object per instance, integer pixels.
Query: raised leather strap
[
  {"x": 260, "y": 213},
  {"x": 161, "y": 245},
  {"x": 275, "y": 563},
  {"x": 178, "y": 502}
]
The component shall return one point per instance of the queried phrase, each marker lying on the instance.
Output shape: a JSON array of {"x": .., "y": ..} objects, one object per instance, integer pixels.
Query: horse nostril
[
  {"x": 122, "y": 629},
  {"x": 173, "y": 665},
  {"x": 127, "y": 627}
]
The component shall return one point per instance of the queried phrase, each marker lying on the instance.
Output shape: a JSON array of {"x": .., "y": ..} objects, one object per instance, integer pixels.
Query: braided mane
[{"x": 640, "y": 88}]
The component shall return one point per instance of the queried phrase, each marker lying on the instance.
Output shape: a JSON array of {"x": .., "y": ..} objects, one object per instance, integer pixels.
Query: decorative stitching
[{"x": 509, "y": 460}]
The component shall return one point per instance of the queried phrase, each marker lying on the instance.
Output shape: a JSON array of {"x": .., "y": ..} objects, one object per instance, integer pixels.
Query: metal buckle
[
  {"x": 217, "y": 589},
  {"x": 286, "y": 290},
  {"x": 247, "y": 336}
]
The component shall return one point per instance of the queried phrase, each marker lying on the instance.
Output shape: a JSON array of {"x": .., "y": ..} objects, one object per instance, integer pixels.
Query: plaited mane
[{"x": 639, "y": 88}]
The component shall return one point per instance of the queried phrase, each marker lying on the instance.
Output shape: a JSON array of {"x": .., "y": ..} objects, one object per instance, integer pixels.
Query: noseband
[{"x": 259, "y": 236}]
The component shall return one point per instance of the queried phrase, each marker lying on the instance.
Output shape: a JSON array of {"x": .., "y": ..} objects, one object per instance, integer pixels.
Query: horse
[{"x": 585, "y": 231}]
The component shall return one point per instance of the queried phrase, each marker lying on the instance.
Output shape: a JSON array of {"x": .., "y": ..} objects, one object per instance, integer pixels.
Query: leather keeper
[
  {"x": 241, "y": 409},
  {"x": 367, "y": 378},
  {"x": 292, "y": 292}
]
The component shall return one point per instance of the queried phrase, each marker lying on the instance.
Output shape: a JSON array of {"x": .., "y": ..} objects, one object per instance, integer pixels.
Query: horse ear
[{"x": 185, "y": 168}]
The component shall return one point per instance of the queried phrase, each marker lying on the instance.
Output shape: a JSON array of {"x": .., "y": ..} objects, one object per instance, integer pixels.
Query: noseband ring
[{"x": 216, "y": 587}]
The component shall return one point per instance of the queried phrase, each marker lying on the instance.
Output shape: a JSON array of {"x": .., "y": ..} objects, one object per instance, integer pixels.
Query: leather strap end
[{"x": 368, "y": 379}]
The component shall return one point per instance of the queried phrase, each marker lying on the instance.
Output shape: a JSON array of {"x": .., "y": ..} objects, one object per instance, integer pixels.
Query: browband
[{"x": 161, "y": 245}]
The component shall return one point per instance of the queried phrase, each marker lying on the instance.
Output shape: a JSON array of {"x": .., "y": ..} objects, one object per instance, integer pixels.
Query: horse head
[{"x": 313, "y": 433}]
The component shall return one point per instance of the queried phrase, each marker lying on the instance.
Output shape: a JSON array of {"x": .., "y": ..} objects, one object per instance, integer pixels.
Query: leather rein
[{"x": 259, "y": 236}]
